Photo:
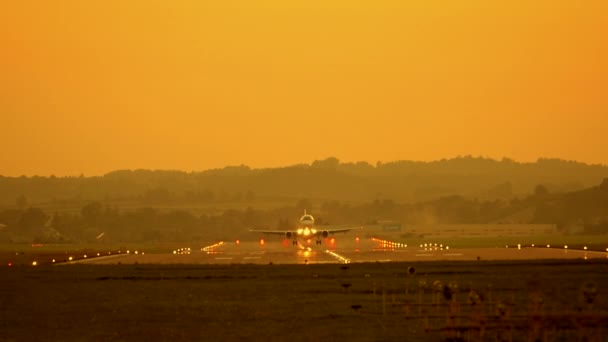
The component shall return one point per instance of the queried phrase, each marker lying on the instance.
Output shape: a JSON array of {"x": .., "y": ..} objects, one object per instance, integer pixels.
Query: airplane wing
[
  {"x": 274, "y": 232},
  {"x": 333, "y": 231},
  {"x": 306, "y": 232}
]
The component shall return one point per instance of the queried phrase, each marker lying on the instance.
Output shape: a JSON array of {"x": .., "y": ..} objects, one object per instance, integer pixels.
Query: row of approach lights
[
  {"x": 210, "y": 249},
  {"x": 434, "y": 246},
  {"x": 84, "y": 256},
  {"x": 426, "y": 246},
  {"x": 519, "y": 246},
  {"x": 338, "y": 256},
  {"x": 389, "y": 244}
]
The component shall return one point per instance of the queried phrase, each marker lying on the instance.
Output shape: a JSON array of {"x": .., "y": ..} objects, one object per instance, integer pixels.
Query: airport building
[
  {"x": 445, "y": 230},
  {"x": 481, "y": 229}
]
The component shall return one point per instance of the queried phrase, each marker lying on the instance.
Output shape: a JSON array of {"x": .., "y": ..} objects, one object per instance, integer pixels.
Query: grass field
[{"x": 532, "y": 300}]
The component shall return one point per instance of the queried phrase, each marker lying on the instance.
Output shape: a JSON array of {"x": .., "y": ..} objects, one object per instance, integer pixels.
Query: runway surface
[{"x": 345, "y": 250}]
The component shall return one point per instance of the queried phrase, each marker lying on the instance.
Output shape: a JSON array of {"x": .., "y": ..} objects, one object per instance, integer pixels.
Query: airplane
[{"x": 306, "y": 231}]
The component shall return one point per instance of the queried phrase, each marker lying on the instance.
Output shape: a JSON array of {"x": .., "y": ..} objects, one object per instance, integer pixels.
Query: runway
[{"x": 345, "y": 250}]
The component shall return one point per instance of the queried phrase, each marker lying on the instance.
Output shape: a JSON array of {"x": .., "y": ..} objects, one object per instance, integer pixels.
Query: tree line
[
  {"x": 329, "y": 179},
  {"x": 585, "y": 209}
]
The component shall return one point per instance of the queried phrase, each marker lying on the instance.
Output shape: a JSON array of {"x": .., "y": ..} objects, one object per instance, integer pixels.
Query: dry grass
[{"x": 357, "y": 302}]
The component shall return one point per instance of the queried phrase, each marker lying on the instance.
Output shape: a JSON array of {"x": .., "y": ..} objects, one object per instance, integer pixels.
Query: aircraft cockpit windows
[{"x": 307, "y": 218}]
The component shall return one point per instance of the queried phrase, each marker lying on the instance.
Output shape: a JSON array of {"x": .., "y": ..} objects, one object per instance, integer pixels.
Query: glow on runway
[
  {"x": 338, "y": 257},
  {"x": 347, "y": 250}
]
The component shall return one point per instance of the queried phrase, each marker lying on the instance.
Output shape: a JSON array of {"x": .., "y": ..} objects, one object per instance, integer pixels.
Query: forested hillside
[
  {"x": 402, "y": 181},
  {"x": 578, "y": 212}
]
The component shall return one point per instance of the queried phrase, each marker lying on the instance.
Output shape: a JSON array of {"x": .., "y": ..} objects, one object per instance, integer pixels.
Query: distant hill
[
  {"x": 575, "y": 212},
  {"x": 584, "y": 208},
  {"x": 403, "y": 181},
  {"x": 582, "y": 211}
]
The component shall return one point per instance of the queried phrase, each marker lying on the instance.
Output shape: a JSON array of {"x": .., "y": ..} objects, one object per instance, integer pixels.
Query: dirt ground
[{"x": 546, "y": 300}]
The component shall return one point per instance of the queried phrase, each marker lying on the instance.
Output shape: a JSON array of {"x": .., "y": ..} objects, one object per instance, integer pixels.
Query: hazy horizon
[
  {"x": 91, "y": 87},
  {"x": 310, "y": 162}
]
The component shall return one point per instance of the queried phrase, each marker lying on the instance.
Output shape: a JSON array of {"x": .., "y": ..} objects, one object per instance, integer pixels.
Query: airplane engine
[
  {"x": 325, "y": 233},
  {"x": 288, "y": 235}
]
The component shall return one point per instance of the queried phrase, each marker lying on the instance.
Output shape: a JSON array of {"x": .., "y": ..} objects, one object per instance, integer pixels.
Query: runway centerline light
[{"x": 34, "y": 263}]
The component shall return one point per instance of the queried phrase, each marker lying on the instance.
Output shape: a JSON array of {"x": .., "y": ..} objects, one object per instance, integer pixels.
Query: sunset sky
[{"x": 94, "y": 86}]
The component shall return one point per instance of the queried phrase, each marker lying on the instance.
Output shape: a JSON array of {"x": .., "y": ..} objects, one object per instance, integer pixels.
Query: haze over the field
[{"x": 94, "y": 86}]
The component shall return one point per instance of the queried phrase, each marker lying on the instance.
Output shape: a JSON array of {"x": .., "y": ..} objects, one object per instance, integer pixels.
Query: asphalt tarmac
[{"x": 344, "y": 250}]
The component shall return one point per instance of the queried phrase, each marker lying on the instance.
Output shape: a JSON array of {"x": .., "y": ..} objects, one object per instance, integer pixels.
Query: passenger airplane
[{"x": 306, "y": 231}]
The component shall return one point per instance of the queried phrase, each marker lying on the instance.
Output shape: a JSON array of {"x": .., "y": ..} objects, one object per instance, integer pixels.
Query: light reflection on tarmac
[{"x": 345, "y": 250}]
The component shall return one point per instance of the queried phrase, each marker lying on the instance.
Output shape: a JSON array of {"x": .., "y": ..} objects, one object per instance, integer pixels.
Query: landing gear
[
  {"x": 319, "y": 242},
  {"x": 294, "y": 242}
]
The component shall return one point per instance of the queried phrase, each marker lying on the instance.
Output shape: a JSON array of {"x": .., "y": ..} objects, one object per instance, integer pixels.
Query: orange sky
[{"x": 93, "y": 86}]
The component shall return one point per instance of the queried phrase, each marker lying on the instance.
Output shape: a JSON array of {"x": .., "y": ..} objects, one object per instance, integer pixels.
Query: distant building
[{"x": 482, "y": 229}]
